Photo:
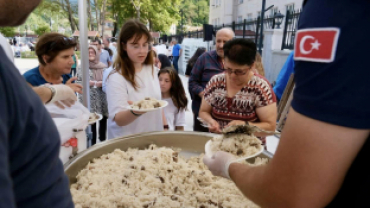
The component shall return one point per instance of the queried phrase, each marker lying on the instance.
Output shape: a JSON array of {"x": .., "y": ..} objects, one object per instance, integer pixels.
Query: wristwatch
[{"x": 53, "y": 92}]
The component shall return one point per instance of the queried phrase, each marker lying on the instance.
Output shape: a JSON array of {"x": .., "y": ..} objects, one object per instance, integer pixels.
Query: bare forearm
[
  {"x": 124, "y": 118},
  {"x": 205, "y": 116},
  {"x": 254, "y": 184},
  {"x": 43, "y": 92},
  {"x": 268, "y": 126}
]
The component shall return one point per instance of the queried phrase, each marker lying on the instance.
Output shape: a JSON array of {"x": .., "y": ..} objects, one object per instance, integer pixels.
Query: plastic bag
[{"x": 71, "y": 124}]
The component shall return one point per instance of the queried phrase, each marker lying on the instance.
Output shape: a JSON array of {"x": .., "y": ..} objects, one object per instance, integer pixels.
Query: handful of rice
[{"x": 240, "y": 145}]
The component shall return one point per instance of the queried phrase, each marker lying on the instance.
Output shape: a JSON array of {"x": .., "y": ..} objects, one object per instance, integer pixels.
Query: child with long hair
[
  {"x": 133, "y": 79},
  {"x": 173, "y": 92}
]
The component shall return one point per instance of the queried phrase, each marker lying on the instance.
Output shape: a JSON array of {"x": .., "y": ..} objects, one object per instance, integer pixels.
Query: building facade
[{"x": 227, "y": 11}]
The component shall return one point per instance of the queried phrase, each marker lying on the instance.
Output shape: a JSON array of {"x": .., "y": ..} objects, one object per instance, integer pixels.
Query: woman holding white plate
[{"x": 133, "y": 79}]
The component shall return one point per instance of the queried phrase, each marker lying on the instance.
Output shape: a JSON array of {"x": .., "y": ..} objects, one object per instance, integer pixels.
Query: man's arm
[
  {"x": 196, "y": 77},
  {"x": 7, "y": 198},
  {"x": 180, "y": 52},
  {"x": 43, "y": 92},
  {"x": 313, "y": 176}
]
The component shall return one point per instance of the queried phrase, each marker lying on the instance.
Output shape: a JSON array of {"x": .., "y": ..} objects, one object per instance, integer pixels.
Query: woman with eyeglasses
[
  {"x": 54, "y": 52},
  {"x": 239, "y": 96},
  {"x": 133, "y": 78}
]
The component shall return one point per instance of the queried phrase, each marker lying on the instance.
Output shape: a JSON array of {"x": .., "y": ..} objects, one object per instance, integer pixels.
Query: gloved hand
[
  {"x": 64, "y": 96},
  {"x": 219, "y": 163}
]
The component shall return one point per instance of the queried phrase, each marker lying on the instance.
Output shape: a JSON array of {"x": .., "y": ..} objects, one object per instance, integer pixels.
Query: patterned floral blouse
[{"x": 257, "y": 93}]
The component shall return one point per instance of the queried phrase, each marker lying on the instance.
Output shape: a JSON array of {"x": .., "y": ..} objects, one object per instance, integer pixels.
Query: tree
[
  {"x": 159, "y": 15},
  {"x": 42, "y": 30},
  {"x": 91, "y": 24},
  {"x": 7, "y": 31}
]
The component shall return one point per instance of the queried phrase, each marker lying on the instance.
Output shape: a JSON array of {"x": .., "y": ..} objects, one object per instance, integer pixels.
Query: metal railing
[
  {"x": 248, "y": 29},
  {"x": 290, "y": 29}
]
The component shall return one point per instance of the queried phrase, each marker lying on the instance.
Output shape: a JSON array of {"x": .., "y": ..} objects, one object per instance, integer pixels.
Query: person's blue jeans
[{"x": 176, "y": 63}]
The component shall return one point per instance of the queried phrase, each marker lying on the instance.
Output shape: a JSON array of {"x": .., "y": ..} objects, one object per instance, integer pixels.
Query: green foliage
[
  {"x": 158, "y": 14},
  {"x": 7, "y": 31},
  {"x": 42, "y": 30},
  {"x": 195, "y": 12},
  {"x": 28, "y": 54},
  {"x": 78, "y": 53}
]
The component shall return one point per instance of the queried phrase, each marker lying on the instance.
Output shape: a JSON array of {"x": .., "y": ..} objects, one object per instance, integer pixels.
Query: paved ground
[{"x": 26, "y": 64}]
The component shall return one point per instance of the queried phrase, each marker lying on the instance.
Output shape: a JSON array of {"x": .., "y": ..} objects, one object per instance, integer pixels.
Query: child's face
[{"x": 165, "y": 82}]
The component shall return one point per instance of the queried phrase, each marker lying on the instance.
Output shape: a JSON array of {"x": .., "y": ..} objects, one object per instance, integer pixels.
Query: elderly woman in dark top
[{"x": 239, "y": 96}]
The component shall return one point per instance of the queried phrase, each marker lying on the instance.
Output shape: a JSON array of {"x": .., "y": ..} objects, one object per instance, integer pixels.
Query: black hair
[
  {"x": 196, "y": 55},
  {"x": 177, "y": 90},
  {"x": 97, "y": 40},
  {"x": 240, "y": 51},
  {"x": 165, "y": 62},
  {"x": 109, "y": 51}
]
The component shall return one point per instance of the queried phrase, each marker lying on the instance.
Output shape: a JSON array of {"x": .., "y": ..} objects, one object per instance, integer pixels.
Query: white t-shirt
[
  {"x": 105, "y": 76},
  {"x": 173, "y": 117},
  {"x": 161, "y": 49},
  {"x": 119, "y": 91}
]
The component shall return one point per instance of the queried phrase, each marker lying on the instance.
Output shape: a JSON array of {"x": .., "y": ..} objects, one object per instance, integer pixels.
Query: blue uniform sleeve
[
  {"x": 283, "y": 77},
  {"x": 336, "y": 91}
]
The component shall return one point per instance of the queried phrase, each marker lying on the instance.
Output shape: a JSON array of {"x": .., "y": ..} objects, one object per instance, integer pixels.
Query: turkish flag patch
[{"x": 316, "y": 45}]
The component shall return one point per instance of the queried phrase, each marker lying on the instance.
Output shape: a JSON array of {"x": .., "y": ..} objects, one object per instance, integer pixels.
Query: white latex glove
[
  {"x": 64, "y": 96},
  {"x": 219, "y": 163}
]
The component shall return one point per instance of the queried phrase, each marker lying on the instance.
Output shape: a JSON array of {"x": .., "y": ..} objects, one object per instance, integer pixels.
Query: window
[
  {"x": 218, "y": 3},
  {"x": 240, "y": 19},
  {"x": 273, "y": 11},
  {"x": 249, "y": 17},
  {"x": 290, "y": 7}
]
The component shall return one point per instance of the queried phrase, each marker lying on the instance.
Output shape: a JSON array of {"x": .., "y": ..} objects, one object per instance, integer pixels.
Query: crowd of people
[
  {"x": 327, "y": 126},
  {"x": 237, "y": 96}
]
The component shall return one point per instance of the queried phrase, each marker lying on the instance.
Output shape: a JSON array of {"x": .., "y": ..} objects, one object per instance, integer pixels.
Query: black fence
[
  {"x": 290, "y": 29},
  {"x": 248, "y": 29}
]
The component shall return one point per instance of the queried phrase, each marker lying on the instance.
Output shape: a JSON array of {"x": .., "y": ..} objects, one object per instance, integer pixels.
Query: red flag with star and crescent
[{"x": 316, "y": 45}]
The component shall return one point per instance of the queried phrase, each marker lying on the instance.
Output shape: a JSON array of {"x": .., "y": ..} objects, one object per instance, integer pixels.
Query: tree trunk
[
  {"x": 90, "y": 25},
  {"x": 103, "y": 17},
  {"x": 97, "y": 15},
  {"x": 115, "y": 29},
  {"x": 70, "y": 16}
]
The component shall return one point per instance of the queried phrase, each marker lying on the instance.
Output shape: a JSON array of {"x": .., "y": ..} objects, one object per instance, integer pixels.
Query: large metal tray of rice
[{"x": 158, "y": 169}]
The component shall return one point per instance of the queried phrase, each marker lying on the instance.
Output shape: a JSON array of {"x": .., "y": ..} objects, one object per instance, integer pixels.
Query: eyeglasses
[
  {"x": 237, "y": 72},
  {"x": 63, "y": 40}
]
